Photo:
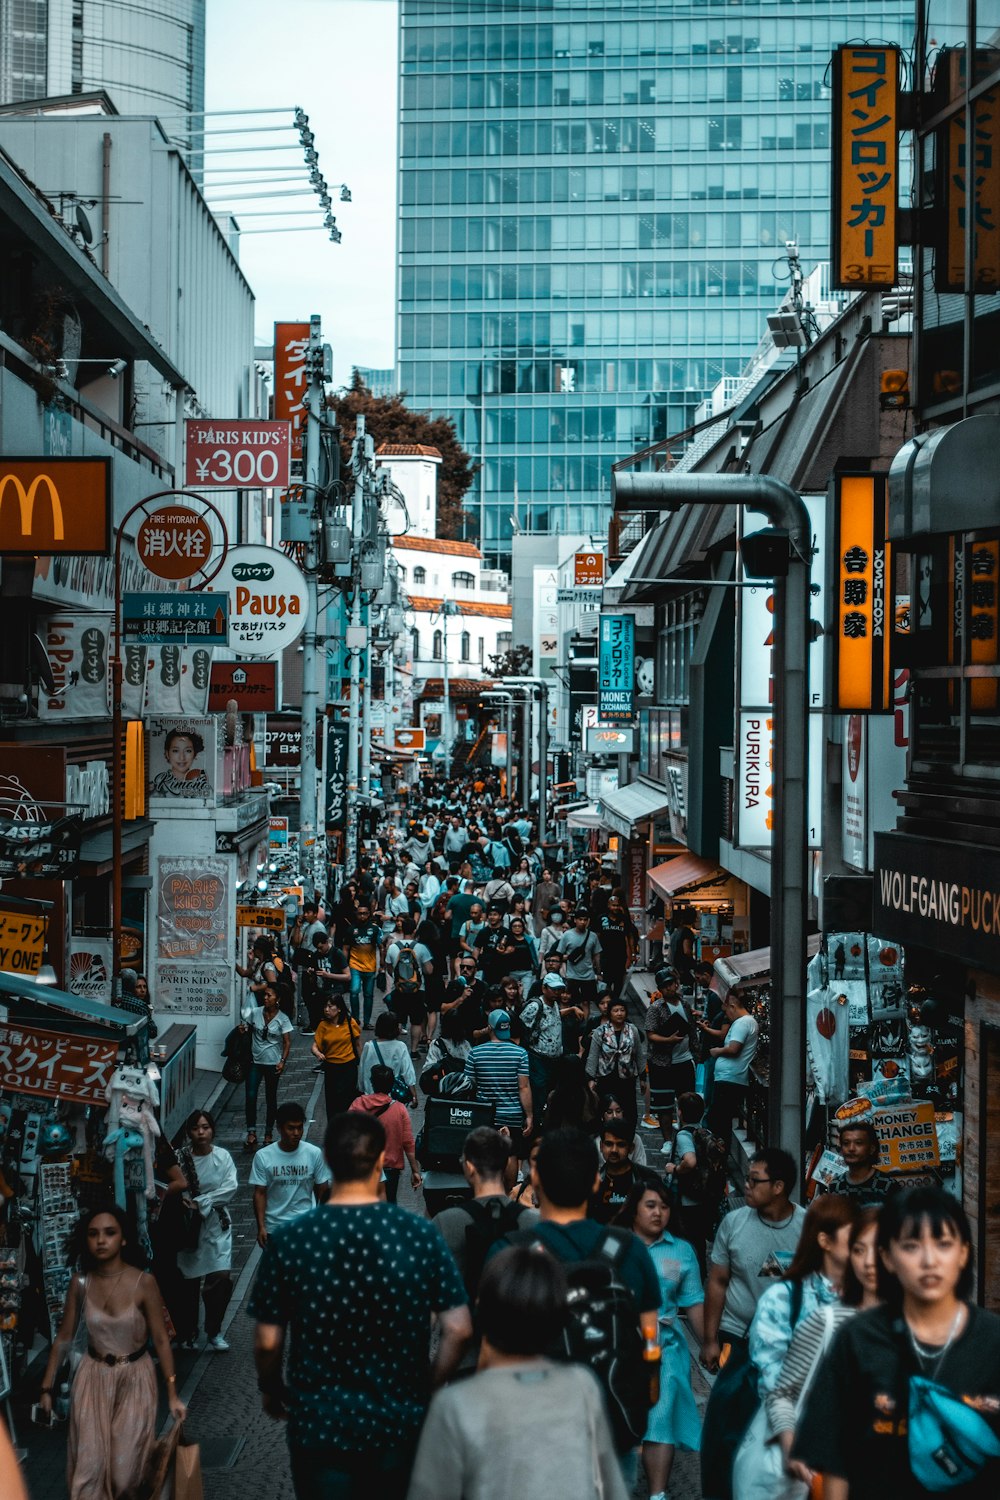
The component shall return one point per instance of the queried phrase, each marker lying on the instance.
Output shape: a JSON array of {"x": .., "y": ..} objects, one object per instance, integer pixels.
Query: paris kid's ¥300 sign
[{"x": 55, "y": 505}]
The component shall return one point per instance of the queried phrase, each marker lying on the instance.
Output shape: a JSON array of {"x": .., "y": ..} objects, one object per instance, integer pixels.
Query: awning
[
  {"x": 94, "y": 1012},
  {"x": 629, "y": 805},
  {"x": 684, "y": 873},
  {"x": 585, "y": 817},
  {"x": 750, "y": 968}
]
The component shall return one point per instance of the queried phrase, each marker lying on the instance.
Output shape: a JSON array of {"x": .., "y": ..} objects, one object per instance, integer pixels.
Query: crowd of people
[{"x": 561, "y": 1322}]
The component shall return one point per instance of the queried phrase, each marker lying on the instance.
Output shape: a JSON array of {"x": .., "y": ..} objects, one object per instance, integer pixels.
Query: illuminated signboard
[
  {"x": 50, "y": 505},
  {"x": 865, "y": 166},
  {"x": 953, "y": 181},
  {"x": 616, "y": 669},
  {"x": 860, "y": 636}
]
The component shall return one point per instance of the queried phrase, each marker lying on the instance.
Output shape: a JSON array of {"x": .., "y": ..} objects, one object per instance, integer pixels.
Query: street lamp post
[
  {"x": 541, "y": 686},
  {"x": 789, "y": 852}
]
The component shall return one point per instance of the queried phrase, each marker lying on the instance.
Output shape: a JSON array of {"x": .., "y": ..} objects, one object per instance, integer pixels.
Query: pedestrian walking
[
  {"x": 618, "y": 1175},
  {"x": 542, "y": 1032},
  {"x": 813, "y": 1280},
  {"x": 364, "y": 938},
  {"x": 270, "y": 1042},
  {"x": 388, "y": 1051},
  {"x": 616, "y": 933},
  {"x": 395, "y": 1121},
  {"x": 336, "y": 1045},
  {"x": 670, "y": 1058},
  {"x": 732, "y": 1066},
  {"x": 359, "y": 1371},
  {"x": 411, "y": 965},
  {"x": 753, "y": 1248},
  {"x": 553, "y": 1432},
  {"x": 112, "y": 1412},
  {"x": 582, "y": 951},
  {"x": 698, "y": 1169},
  {"x": 674, "y": 1421},
  {"x": 907, "y": 1402},
  {"x": 207, "y": 1262},
  {"x": 616, "y": 1060},
  {"x": 287, "y": 1177},
  {"x": 500, "y": 1071},
  {"x": 471, "y": 1227}
]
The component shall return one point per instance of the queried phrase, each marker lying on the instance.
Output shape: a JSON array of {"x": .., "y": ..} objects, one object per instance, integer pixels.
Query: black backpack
[
  {"x": 488, "y": 1222},
  {"x": 430, "y": 1078},
  {"x": 602, "y": 1330},
  {"x": 707, "y": 1183}
]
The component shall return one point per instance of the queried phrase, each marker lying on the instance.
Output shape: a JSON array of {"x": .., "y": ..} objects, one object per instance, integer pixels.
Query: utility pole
[
  {"x": 356, "y": 639},
  {"x": 308, "y": 801},
  {"x": 448, "y": 608}
]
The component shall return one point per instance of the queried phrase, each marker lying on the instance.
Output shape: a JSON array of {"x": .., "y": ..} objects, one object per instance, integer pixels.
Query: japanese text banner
[{"x": 865, "y": 166}]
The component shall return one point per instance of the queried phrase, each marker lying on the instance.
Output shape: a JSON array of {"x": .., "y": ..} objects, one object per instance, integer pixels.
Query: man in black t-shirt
[
  {"x": 465, "y": 1002},
  {"x": 618, "y": 1175},
  {"x": 492, "y": 964},
  {"x": 324, "y": 972}
]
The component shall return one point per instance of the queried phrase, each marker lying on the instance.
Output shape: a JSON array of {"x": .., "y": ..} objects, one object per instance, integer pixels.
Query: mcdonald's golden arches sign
[{"x": 50, "y": 505}]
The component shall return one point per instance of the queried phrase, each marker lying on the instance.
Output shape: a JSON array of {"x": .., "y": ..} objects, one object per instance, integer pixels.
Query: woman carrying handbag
[
  {"x": 335, "y": 1043},
  {"x": 616, "y": 1061}
]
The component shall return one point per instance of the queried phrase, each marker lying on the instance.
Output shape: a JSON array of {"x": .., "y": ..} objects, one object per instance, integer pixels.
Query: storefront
[
  {"x": 700, "y": 895},
  {"x": 942, "y": 901},
  {"x": 79, "y": 1098}
]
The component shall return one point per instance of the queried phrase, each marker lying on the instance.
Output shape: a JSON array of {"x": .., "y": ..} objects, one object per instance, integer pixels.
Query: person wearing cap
[
  {"x": 501, "y": 1072},
  {"x": 670, "y": 1059},
  {"x": 542, "y": 1032},
  {"x": 492, "y": 964},
  {"x": 582, "y": 952}
]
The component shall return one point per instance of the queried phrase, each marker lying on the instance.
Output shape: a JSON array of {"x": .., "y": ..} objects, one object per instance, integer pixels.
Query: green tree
[
  {"x": 515, "y": 662},
  {"x": 390, "y": 420}
]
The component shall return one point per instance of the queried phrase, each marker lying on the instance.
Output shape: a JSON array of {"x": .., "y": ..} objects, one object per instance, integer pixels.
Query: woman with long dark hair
[
  {"x": 112, "y": 1412},
  {"x": 866, "y": 1426},
  {"x": 335, "y": 1043},
  {"x": 206, "y": 1264},
  {"x": 572, "y": 1100}
]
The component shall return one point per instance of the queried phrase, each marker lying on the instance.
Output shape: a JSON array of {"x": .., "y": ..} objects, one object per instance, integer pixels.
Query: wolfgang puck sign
[{"x": 941, "y": 896}]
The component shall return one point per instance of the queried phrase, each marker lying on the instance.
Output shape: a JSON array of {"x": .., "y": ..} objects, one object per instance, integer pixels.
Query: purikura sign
[{"x": 267, "y": 600}]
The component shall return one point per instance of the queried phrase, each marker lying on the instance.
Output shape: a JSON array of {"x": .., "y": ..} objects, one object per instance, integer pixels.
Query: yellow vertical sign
[
  {"x": 982, "y": 579},
  {"x": 969, "y": 182},
  {"x": 865, "y": 166},
  {"x": 862, "y": 562}
]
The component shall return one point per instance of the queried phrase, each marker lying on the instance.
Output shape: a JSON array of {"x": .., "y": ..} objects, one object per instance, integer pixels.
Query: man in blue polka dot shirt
[{"x": 354, "y": 1286}]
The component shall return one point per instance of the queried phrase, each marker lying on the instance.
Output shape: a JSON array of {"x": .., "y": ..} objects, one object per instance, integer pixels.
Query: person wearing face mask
[
  {"x": 813, "y": 1280},
  {"x": 551, "y": 932}
]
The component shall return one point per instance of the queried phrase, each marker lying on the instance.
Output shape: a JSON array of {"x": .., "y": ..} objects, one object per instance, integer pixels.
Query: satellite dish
[{"x": 83, "y": 225}]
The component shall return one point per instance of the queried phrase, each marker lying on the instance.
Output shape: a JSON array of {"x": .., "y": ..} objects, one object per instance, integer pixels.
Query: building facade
[
  {"x": 148, "y": 54},
  {"x": 594, "y": 204}
]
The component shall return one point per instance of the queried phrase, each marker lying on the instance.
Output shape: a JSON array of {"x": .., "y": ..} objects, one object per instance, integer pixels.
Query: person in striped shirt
[{"x": 499, "y": 1070}]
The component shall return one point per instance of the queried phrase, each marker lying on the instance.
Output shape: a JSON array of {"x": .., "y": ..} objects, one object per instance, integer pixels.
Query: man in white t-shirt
[
  {"x": 732, "y": 1066},
  {"x": 287, "y": 1177}
]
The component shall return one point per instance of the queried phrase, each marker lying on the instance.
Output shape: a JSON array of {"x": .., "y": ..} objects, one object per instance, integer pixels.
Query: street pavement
[{"x": 244, "y": 1455}]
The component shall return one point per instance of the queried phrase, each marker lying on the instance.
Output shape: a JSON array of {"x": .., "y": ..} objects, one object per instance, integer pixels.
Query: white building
[{"x": 458, "y": 612}]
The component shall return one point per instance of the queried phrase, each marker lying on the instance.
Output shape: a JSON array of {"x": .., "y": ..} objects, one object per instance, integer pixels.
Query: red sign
[
  {"x": 252, "y": 684},
  {"x": 174, "y": 542},
  {"x": 588, "y": 570},
  {"x": 237, "y": 454},
  {"x": 291, "y": 379},
  {"x": 55, "y": 1066}
]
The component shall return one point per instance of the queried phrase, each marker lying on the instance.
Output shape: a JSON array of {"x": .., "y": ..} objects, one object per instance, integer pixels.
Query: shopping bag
[
  {"x": 187, "y": 1472},
  {"x": 156, "y": 1478}
]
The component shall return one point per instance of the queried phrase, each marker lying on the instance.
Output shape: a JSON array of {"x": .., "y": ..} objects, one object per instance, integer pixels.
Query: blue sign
[
  {"x": 616, "y": 669},
  {"x": 172, "y": 619}
]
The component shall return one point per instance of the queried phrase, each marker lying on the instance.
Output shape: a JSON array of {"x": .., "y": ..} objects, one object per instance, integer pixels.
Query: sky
[{"x": 337, "y": 60}]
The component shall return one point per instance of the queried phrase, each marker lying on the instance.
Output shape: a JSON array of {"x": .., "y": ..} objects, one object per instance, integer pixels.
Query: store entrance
[{"x": 988, "y": 1249}]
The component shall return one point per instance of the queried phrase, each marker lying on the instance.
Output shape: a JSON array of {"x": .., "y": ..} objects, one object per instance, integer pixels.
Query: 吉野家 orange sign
[
  {"x": 865, "y": 166},
  {"x": 862, "y": 573},
  {"x": 50, "y": 505}
]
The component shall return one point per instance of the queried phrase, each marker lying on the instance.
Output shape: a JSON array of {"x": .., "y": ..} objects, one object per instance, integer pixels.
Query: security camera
[{"x": 118, "y": 368}]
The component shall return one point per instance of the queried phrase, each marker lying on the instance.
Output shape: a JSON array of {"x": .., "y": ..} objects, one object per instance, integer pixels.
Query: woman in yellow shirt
[{"x": 335, "y": 1043}]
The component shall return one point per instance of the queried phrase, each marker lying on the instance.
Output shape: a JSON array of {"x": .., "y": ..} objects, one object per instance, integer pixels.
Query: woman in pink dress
[{"x": 112, "y": 1414}]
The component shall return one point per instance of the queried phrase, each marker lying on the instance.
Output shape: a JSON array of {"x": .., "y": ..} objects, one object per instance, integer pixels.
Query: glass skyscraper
[{"x": 594, "y": 203}]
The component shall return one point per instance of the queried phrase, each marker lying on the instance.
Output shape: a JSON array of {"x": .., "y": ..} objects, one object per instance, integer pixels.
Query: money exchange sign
[{"x": 616, "y": 668}]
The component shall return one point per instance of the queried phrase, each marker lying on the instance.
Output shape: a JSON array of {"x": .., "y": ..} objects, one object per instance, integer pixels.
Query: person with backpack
[
  {"x": 542, "y": 1035},
  {"x": 388, "y": 1051},
  {"x": 753, "y": 1247},
  {"x": 470, "y": 1229},
  {"x": 411, "y": 964},
  {"x": 698, "y": 1169},
  {"x": 674, "y": 1421},
  {"x": 524, "y": 1425},
  {"x": 395, "y": 1120},
  {"x": 613, "y": 1289}
]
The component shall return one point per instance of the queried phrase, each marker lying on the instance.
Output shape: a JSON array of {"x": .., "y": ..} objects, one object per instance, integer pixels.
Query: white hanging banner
[{"x": 78, "y": 649}]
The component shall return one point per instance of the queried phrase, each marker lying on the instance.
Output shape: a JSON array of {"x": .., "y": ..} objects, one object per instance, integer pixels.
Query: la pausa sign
[{"x": 267, "y": 600}]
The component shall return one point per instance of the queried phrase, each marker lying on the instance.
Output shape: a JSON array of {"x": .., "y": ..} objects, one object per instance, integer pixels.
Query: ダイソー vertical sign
[
  {"x": 865, "y": 166},
  {"x": 616, "y": 668},
  {"x": 956, "y": 175},
  {"x": 861, "y": 678},
  {"x": 291, "y": 379}
]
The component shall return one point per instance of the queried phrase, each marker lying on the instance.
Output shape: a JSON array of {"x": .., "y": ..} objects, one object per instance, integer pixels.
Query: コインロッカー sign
[
  {"x": 941, "y": 896},
  {"x": 50, "y": 505}
]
